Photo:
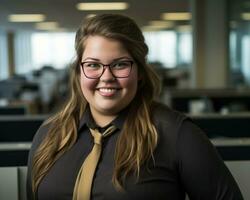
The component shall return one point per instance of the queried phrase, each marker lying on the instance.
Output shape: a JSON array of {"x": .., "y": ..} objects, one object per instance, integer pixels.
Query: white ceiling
[{"x": 65, "y": 13}]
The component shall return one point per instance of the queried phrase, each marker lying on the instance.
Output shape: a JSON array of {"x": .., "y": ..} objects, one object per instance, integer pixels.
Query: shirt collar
[{"x": 88, "y": 121}]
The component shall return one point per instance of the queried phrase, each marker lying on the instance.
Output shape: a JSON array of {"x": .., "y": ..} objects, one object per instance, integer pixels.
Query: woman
[{"x": 152, "y": 153}]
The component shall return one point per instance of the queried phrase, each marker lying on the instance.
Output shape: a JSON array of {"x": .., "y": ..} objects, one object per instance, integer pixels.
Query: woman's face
[{"x": 107, "y": 95}]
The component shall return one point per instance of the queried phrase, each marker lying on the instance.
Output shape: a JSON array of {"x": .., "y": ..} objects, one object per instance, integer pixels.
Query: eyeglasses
[{"x": 119, "y": 69}]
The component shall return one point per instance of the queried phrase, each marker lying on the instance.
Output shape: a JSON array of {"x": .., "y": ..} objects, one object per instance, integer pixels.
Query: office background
[{"x": 200, "y": 48}]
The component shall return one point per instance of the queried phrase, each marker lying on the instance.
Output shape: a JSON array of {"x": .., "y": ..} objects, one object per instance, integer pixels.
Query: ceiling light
[
  {"x": 184, "y": 28},
  {"x": 161, "y": 23},
  {"x": 102, "y": 6},
  {"x": 47, "y": 26},
  {"x": 177, "y": 16},
  {"x": 245, "y": 16},
  {"x": 155, "y": 27},
  {"x": 26, "y": 18}
]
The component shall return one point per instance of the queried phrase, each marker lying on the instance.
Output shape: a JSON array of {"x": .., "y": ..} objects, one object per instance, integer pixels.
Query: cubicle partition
[
  {"x": 16, "y": 134},
  {"x": 13, "y": 110},
  {"x": 230, "y": 133},
  {"x": 208, "y": 100}
]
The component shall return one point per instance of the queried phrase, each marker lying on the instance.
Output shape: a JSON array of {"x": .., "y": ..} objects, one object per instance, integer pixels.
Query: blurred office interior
[{"x": 200, "y": 49}]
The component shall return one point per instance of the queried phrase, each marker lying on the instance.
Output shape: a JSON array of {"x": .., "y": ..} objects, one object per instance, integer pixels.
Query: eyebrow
[{"x": 116, "y": 59}]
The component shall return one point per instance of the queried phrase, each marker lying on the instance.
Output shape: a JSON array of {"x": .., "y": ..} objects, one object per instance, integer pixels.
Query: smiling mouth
[{"x": 108, "y": 92}]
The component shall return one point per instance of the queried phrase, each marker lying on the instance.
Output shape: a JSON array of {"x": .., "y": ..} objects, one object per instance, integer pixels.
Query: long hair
[{"x": 138, "y": 139}]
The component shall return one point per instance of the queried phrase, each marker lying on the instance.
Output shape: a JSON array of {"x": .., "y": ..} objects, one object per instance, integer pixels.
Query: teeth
[{"x": 107, "y": 89}]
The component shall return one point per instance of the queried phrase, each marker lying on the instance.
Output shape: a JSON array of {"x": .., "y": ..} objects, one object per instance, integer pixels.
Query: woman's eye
[
  {"x": 121, "y": 64},
  {"x": 93, "y": 65}
]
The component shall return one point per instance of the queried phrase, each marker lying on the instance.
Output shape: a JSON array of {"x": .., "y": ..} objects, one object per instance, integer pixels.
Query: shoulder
[
  {"x": 176, "y": 129},
  {"x": 169, "y": 125},
  {"x": 163, "y": 116},
  {"x": 175, "y": 126}
]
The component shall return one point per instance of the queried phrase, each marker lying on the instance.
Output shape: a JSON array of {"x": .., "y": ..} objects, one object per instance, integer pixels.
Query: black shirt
[{"x": 185, "y": 162}]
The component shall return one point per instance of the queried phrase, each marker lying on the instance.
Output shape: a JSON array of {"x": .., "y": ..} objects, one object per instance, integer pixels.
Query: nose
[{"x": 107, "y": 74}]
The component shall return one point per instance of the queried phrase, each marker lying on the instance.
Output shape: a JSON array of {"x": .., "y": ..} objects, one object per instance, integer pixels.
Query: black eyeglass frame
[{"x": 109, "y": 66}]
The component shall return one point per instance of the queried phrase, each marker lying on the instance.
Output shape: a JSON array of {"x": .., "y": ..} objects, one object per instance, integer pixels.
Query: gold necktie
[{"x": 82, "y": 189}]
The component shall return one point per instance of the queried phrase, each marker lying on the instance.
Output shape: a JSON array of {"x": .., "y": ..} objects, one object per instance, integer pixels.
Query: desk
[
  {"x": 235, "y": 125},
  {"x": 14, "y": 154},
  {"x": 233, "y": 148},
  {"x": 19, "y": 128}
]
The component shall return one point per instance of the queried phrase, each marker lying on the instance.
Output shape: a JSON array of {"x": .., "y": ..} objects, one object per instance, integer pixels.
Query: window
[
  {"x": 170, "y": 48},
  {"x": 35, "y": 50},
  {"x": 55, "y": 49},
  {"x": 3, "y": 56},
  {"x": 239, "y": 42}
]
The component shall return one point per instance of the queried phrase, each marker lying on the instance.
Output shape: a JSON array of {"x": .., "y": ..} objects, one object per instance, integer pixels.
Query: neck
[{"x": 102, "y": 119}]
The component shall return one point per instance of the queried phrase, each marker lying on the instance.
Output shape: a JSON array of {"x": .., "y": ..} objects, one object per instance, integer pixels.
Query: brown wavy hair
[{"x": 138, "y": 139}]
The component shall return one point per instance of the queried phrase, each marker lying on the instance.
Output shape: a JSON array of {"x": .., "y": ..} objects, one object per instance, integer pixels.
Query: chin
[{"x": 112, "y": 110}]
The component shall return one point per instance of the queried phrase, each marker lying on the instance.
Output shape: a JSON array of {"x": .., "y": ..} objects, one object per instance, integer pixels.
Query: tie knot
[{"x": 97, "y": 136}]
